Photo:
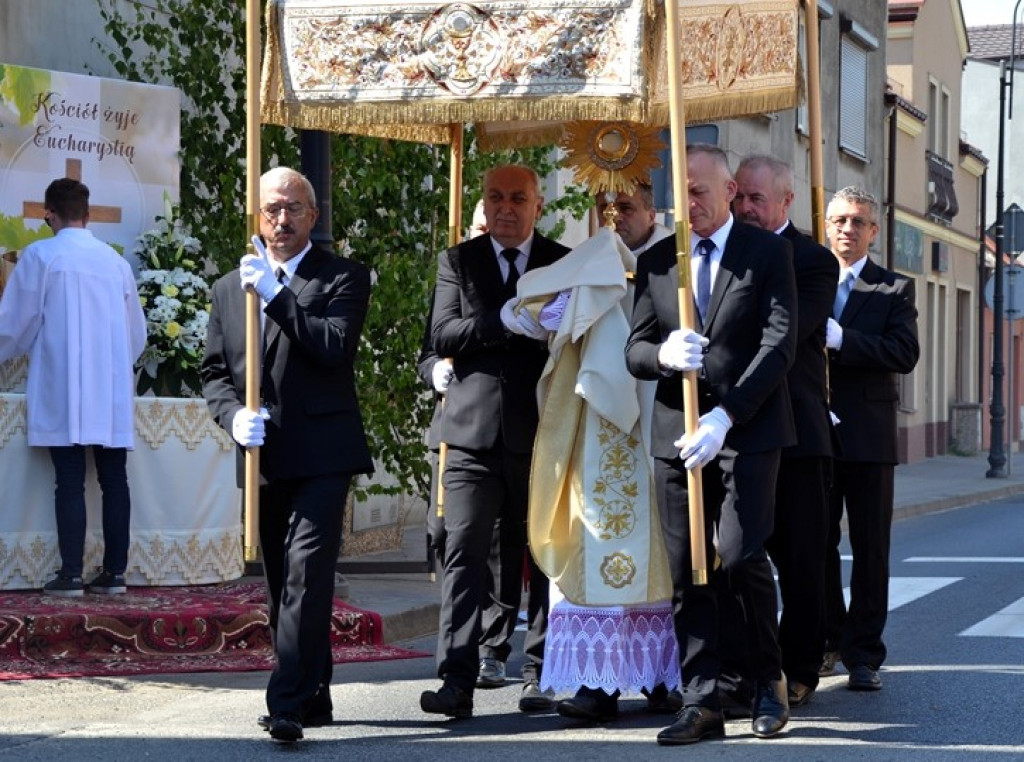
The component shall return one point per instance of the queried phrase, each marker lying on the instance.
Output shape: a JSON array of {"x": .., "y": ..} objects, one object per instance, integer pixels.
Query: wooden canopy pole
[
  {"x": 454, "y": 236},
  {"x": 814, "y": 120},
  {"x": 253, "y": 339},
  {"x": 680, "y": 183},
  {"x": 455, "y": 186}
]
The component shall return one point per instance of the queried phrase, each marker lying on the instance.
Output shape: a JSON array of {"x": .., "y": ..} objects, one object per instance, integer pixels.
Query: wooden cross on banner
[{"x": 35, "y": 210}]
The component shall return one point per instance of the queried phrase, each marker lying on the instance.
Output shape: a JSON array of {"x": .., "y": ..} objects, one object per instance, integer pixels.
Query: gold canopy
[{"x": 518, "y": 71}]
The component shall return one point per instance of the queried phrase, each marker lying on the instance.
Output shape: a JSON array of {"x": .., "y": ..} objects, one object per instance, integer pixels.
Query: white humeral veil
[{"x": 593, "y": 522}]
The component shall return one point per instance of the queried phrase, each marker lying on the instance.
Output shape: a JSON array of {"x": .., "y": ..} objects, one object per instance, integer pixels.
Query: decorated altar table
[{"x": 186, "y": 509}]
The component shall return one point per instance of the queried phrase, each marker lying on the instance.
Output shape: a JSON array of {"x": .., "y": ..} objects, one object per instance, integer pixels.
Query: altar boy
[{"x": 71, "y": 305}]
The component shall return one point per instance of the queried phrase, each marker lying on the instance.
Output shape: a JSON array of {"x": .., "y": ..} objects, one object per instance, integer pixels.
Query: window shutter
[{"x": 853, "y": 102}]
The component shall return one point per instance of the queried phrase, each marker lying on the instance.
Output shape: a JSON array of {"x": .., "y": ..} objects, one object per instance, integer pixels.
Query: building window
[
  {"x": 853, "y": 97},
  {"x": 854, "y": 46},
  {"x": 803, "y": 122},
  {"x": 938, "y": 118},
  {"x": 825, "y": 11}
]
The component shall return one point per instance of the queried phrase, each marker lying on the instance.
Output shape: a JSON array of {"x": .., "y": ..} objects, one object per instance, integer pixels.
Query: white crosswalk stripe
[
  {"x": 904, "y": 590},
  {"x": 1007, "y": 623}
]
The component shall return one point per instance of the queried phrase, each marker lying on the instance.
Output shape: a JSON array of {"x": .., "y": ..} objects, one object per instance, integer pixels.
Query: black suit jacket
[
  {"x": 751, "y": 327},
  {"x": 879, "y": 325},
  {"x": 494, "y": 390},
  {"x": 425, "y": 370},
  {"x": 308, "y": 382},
  {"x": 817, "y": 274}
]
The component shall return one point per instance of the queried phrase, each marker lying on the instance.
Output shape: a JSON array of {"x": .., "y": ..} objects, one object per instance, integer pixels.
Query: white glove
[
  {"x": 551, "y": 314},
  {"x": 255, "y": 271},
  {"x": 248, "y": 428},
  {"x": 701, "y": 448},
  {"x": 442, "y": 373},
  {"x": 833, "y": 334},
  {"x": 682, "y": 350},
  {"x": 521, "y": 323}
]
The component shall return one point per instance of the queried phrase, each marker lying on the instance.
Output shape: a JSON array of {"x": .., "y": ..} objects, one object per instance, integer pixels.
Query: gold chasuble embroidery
[{"x": 593, "y": 524}]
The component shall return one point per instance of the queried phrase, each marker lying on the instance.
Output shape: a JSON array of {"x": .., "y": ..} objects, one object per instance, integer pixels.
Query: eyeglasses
[
  {"x": 296, "y": 210},
  {"x": 857, "y": 222}
]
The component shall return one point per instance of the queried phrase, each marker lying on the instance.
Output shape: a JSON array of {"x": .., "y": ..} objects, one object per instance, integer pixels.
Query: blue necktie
[
  {"x": 842, "y": 294},
  {"x": 704, "y": 247}
]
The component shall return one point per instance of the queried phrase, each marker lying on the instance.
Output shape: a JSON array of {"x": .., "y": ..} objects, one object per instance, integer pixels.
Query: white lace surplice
[{"x": 624, "y": 648}]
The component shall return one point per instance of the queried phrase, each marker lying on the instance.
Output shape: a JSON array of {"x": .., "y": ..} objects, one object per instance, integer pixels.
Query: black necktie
[
  {"x": 704, "y": 247},
  {"x": 513, "y": 274},
  {"x": 280, "y": 275}
]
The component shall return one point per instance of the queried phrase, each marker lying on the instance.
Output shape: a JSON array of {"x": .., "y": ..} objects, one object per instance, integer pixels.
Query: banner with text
[{"x": 121, "y": 139}]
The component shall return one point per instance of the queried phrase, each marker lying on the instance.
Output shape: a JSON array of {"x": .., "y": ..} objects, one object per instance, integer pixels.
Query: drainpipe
[
  {"x": 981, "y": 285},
  {"x": 890, "y": 191}
]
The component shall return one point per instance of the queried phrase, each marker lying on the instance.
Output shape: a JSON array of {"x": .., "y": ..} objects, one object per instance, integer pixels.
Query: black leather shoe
[
  {"x": 308, "y": 721},
  {"x": 863, "y": 678},
  {"x": 693, "y": 724},
  {"x": 828, "y": 664},
  {"x": 735, "y": 706},
  {"x": 590, "y": 704},
  {"x": 771, "y": 709},
  {"x": 450, "y": 700},
  {"x": 533, "y": 699},
  {"x": 799, "y": 693},
  {"x": 663, "y": 701},
  {"x": 285, "y": 729}
]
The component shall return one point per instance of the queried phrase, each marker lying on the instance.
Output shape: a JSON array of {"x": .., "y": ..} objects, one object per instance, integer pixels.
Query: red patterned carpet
[{"x": 208, "y": 628}]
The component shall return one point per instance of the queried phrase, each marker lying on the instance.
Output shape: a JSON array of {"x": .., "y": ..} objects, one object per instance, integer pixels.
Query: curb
[
  {"x": 955, "y": 501},
  {"x": 411, "y": 624}
]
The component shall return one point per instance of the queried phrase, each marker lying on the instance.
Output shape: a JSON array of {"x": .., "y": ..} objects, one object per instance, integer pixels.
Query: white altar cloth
[{"x": 186, "y": 510}]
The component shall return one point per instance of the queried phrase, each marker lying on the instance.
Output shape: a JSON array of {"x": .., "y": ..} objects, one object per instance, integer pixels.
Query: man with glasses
[
  {"x": 309, "y": 428},
  {"x": 871, "y": 337}
]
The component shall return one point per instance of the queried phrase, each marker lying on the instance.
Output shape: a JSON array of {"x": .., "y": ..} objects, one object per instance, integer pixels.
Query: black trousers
[
  {"x": 797, "y": 548},
  {"x": 738, "y": 492},
  {"x": 483, "y": 487},
  {"x": 500, "y": 612},
  {"x": 300, "y": 539},
  {"x": 866, "y": 490}
]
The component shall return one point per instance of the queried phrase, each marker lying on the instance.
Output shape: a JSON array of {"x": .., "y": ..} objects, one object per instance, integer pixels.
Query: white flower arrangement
[{"x": 176, "y": 302}]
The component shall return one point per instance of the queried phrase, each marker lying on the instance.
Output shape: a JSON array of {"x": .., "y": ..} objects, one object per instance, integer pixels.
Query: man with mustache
[{"x": 309, "y": 430}]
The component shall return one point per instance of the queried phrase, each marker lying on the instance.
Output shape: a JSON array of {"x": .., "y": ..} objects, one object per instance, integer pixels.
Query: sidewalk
[{"x": 409, "y": 603}]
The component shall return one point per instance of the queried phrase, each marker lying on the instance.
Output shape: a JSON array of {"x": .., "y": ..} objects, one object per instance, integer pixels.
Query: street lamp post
[{"x": 996, "y": 455}]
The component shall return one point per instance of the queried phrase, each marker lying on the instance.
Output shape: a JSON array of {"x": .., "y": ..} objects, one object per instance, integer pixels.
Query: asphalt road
[{"x": 953, "y": 689}]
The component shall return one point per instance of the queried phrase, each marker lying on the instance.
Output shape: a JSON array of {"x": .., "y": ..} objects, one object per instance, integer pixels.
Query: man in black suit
[
  {"x": 498, "y": 617},
  {"x": 489, "y": 422},
  {"x": 746, "y": 304},
  {"x": 871, "y": 339},
  {"x": 309, "y": 428},
  {"x": 797, "y": 545}
]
